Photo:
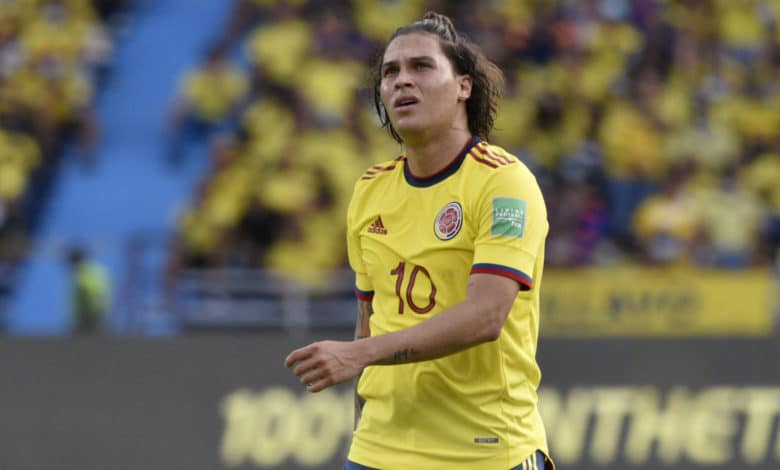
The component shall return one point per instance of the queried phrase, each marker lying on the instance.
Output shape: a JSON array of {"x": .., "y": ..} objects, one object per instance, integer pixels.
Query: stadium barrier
[
  {"x": 6, "y": 279},
  {"x": 224, "y": 401},
  {"x": 595, "y": 302}
]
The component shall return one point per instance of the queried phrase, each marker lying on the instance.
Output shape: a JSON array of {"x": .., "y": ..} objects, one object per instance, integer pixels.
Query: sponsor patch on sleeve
[{"x": 508, "y": 217}]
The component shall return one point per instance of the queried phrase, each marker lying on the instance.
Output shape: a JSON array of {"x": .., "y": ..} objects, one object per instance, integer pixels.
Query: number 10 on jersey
[{"x": 400, "y": 272}]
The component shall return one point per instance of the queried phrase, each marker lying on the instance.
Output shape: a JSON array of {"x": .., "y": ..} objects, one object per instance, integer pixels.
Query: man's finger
[
  {"x": 297, "y": 355},
  {"x": 311, "y": 376},
  {"x": 304, "y": 366},
  {"x": 318, "y": 386}
]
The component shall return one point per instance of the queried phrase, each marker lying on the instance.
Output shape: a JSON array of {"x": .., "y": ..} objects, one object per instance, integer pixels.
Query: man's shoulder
[
  {"x": 381, "y": 170},
  {"x": 490, "y": 160}
]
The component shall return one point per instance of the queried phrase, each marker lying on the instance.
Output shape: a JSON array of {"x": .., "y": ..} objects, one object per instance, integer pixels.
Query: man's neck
[{"x": 426, "y": 157}]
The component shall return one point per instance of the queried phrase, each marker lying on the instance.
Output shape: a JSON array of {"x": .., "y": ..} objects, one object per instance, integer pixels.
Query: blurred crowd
[
  {"x": 54, "y": 55},
  {"x": 653, "y": 127}
]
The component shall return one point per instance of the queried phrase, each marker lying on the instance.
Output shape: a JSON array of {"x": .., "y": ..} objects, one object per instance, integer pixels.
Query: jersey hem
[{"x": 375, "y": 458}]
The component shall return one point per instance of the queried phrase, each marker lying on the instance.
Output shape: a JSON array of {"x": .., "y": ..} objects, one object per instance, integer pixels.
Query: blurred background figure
[
  {"x": 667, "y": 225},
  {"x": 90, "y": 291},
  {"x": 208, "y": 97}
]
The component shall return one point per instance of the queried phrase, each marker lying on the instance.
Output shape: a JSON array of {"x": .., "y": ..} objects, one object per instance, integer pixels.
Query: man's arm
[
  {"x": 362, "y": 330},
  {"x": 478, "y": 319}
]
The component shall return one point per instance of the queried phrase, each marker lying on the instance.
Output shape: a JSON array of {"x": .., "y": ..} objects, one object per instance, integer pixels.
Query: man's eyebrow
[{"x": 410, "y": 59}]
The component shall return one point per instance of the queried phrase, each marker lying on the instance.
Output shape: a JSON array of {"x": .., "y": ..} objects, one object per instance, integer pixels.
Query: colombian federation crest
[{"x": 448, "y": 222}]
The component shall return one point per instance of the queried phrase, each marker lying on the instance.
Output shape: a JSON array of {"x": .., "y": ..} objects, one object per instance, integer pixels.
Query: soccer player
[{"x": 447, "y": 243}]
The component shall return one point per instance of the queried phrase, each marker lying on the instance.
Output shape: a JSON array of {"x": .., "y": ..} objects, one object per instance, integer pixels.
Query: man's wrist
[{"x": 365, "y": 351}]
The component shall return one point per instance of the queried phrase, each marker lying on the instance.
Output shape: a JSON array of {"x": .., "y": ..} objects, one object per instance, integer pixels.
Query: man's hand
[{"x": 325, "y": 363}]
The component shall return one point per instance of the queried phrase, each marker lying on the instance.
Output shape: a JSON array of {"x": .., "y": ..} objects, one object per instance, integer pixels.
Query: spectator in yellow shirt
[
  {"x": 732, "y": 220},
  {"x": 59, "y": 97},
  {"x": 91, "y": 291},
  {"x": 280, "y": 46},
  {"x": 59, "y": 29},
  {"x": 632, "y": 139},
  {"x": 208, "y": 99},
  {"x": 667, "y": 225}
]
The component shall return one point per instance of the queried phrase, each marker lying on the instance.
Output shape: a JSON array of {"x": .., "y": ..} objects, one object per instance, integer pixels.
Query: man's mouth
[{"x": 405, "y": 103}]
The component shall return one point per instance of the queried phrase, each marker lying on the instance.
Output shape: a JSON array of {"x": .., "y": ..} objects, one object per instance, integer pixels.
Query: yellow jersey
[{"x": 413, "y": 244}]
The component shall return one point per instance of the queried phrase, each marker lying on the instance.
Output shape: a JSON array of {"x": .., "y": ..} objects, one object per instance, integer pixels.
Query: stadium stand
[
  {"x": 653, "y": 126},
  {"x": 54, "y": 56},
  {"x": 130, "y": 194}
]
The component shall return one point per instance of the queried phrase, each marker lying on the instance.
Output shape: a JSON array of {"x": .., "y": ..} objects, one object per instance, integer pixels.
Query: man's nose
[{"x": 403, "y": 79}]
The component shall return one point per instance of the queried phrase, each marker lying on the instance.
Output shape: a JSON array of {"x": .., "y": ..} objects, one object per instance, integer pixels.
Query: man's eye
[
  {"x": 390, "y": 71},
  {"x": 421, "y": 65}
]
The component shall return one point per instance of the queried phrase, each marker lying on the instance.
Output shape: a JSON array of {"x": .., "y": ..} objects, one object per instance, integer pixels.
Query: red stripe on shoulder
[
  {"x": 482, "y": 160},
  {"x": 383, "y": 168},
  {"x": 510, "y": 159},
  {"x": 375, "y": 170},
  {"x": 484, "y": 149},
  {"x": 500, "y": 159}
]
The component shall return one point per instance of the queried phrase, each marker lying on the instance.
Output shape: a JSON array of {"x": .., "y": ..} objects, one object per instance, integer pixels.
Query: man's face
[{"x": 419, "y": 88}]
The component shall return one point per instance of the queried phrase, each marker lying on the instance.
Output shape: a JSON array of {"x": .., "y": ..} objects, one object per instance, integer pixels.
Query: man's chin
[{"x": 408, "y": 129}]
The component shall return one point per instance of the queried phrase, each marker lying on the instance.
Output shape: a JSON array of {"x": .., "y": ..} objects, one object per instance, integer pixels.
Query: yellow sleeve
[
  {"x": 364, "y": 290},
  {"x": 512, "y": 225}
]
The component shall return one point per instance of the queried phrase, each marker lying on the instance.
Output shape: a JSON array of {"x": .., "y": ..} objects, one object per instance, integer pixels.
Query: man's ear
[{"x": 464, "y": 83}]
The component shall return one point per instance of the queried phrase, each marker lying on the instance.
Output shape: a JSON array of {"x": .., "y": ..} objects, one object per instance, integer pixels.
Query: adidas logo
[{"x": 377, "y": 226}]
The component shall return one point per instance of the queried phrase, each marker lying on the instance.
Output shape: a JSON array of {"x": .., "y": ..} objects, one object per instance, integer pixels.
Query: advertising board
[{"x": 219, "y": 401}]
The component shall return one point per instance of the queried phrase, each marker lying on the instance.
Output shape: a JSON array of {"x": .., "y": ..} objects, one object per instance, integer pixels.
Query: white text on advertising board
[
  {"x": 269, "y": 427},
  {"x": 605, "y": 425},
  {"x": 713, "y": 426}
]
